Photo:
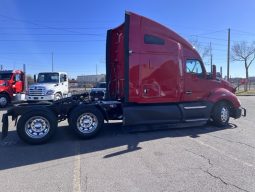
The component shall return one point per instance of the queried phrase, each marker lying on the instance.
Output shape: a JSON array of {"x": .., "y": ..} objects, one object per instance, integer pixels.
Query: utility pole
[
  {"x": 221, "y": 71},
  {"x": 52, "y": 61},
  {"x": 228, "y": 56},
  {"x": 211, "y": 57},
  {"x": 25, "y": 76},
  {"x": 1, "y": 67},
  {"x": 96, "y": 72}
]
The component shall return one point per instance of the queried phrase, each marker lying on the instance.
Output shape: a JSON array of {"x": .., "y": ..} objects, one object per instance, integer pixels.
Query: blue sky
[{"x": 75, "y": 31}]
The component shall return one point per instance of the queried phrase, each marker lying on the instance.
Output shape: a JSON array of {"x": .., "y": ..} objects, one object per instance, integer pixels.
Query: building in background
[
  {"x": 73, "y": 83},
  {"x": 87, "y": 80}
]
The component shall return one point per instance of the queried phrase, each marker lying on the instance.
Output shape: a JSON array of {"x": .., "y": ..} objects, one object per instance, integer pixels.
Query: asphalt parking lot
[{"x": 191, "y": 159}]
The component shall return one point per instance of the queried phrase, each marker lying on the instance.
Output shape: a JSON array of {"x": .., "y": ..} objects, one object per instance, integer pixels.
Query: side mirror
[
  {"x": 34, "y": 78},
  {"x": 214, "y": 72}
]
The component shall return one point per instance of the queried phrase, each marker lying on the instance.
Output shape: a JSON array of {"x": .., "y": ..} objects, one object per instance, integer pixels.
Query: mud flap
[
  {"x": 4, "y": 126},
  {"x": 243, "y": 112}
]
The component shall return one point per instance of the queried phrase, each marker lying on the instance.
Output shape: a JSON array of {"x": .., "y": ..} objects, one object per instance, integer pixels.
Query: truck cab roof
[
  {"x": 11, "y": 71},
  {"x": 143, "y": 55},
  {"x": 55, "y": 72}
]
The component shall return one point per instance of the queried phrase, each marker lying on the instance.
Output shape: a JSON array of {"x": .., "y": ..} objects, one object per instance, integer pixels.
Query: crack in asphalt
[
  {"x": 231, "y": 141},
  {"x": 86, "y": 183},
  {"x": 59, "y": 188},
  {"x": 225, "y": 154},
  {"x": 202, "y": 156},
  {"x": 222, "y": 181},
  {"x": 212, "y": 175},
  {"x": 77, "y": 169}
]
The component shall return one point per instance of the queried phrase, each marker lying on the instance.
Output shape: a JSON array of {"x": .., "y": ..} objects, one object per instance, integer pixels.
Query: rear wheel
[
  {"x": 86, "y": 122},
  {"x": 37, "y": 127},
  {"x": 221, "y": 114},
  {"x": 4, "y": 100}
]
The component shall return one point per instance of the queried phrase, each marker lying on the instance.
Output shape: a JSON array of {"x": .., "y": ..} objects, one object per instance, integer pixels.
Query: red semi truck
[
  {"x": 11, "y": 83},
  {"x": 153, "y": 75}
]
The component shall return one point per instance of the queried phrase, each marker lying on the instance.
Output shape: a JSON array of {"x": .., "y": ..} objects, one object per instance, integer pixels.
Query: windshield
[
  {"x": 5, "y": 76},
  {"x": 48, "y": 78},
  {"x": 100, "y": 85}
]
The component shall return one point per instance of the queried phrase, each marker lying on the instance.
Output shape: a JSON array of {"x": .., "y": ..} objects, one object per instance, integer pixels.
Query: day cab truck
[
  {"x": 49, "y": 86},
  {"x": 153, "y": 76},
  {"x": 12, "y": 84}
]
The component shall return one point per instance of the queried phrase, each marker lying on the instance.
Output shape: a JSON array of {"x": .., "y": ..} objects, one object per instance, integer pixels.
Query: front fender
[
  {"x": 8, "y": 94},
  {"x": 220, "y": 94}
]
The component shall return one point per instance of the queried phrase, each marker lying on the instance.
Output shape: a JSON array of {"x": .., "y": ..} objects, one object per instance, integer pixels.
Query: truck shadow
[{"x": 15, "y": 153}]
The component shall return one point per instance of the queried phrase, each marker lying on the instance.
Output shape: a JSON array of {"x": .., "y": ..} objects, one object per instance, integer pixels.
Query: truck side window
[
  {"x": 151, "y": 39},
  {"x": 62, "y": 78},
  {"x": 194, "y": 67},
  {"x": 17, "y": 77}
]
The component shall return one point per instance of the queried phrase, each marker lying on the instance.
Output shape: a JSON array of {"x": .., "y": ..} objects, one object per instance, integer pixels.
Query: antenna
[{"x": 52, "y": 62}]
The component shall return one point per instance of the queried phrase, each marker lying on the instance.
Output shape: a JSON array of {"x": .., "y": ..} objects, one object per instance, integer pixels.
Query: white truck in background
[{"x": 49, "y": 86}]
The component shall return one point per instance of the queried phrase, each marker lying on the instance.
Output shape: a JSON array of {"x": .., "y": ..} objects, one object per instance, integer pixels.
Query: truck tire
[
  {"x": 86, "y": 122},
  {"x": 37, "y": 127},
  {"x": 57, "y": 96},
  {"x": 4, "y": 100},
  {"x": 221, "y": 114}
]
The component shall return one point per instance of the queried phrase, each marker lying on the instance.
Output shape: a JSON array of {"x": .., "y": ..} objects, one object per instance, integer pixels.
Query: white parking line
[
  {"x": 77, "y": 169},
  {"x": 223, "y": 153}
]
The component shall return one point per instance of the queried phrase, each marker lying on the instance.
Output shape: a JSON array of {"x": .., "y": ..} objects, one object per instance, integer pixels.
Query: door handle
[{"x": 188, "y": 92}]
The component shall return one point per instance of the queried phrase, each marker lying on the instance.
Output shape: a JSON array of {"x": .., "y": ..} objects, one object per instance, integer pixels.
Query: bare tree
[
  {"x": 244, "y": 52},
  {"x": 204, "y": 51}
]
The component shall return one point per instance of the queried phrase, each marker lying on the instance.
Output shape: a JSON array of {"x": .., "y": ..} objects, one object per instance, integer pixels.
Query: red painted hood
[
  {"x": 2, "y": 88},
  {"x": 227, "y": 85}
]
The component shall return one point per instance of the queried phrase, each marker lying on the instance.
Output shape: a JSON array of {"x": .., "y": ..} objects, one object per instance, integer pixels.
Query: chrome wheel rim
[
  {"x": 224, "y": 114},
  {"x": 3, "y": 101},
  {"x": 87, "y": 123},
  {"x": 37, "y": 127}
]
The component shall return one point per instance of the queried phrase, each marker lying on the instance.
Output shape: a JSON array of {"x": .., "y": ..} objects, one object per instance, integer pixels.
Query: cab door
[
  {"x": 64, "y": 83},
  {"x": 18, "y": 83},
  {"x": 196, "y": 85}
]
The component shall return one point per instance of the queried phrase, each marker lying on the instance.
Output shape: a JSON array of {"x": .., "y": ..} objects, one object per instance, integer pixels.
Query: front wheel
[
  {"x": 37, "y": 127},
  {"x": 57, "y": 96},
  {"x": 3, "y": 100},
  {"x": 86, "y": 122},
  {"x": 221, "y": 114}
]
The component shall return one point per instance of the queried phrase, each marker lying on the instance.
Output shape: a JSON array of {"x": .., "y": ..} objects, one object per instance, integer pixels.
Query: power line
[
  {"x": 208, "y": 42},
  {"x": 47, "y": 53},
  {"x": 219, "y": 39},
  {"x": 244, "y": 32},
  {"x": 62, "y": 21},
  {"x": 46, "y": 41},
  {"x": 60, "y": 28},
  {"x": 214, "y": 49},
  {"x": 208, "y": 33},
  {"x": 214, "y": 38},
  {"x": 33, "y": 23},
  {"x": 59, "y": 34}
]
